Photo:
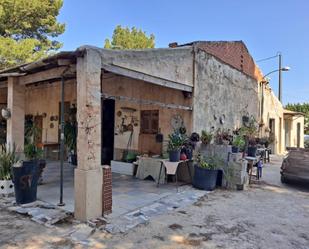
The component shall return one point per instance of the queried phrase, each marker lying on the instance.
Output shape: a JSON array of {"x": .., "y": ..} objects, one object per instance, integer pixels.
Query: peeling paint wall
[
  {"x": 122, "y": 86},
  {"x": 273, "y": 110},
  {"x": 293, "y": 138},
  {"x": 45, "y": 99},
  {"x": 221, "y": 92},
  {"x": 174, "y": 64},
  {"x": 3, "y": 95}
]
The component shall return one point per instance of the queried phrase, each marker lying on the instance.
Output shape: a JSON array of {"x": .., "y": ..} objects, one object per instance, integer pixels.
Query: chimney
[{"x": 173, "y": 45}]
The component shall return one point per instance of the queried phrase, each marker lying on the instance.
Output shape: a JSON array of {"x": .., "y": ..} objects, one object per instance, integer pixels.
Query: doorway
[{"x": 108, "y": 124}]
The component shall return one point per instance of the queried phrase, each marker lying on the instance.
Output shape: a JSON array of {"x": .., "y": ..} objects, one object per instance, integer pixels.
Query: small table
[
  {"x": 171, "y": 169},
  {"x": 264, "y": 152},
  {"x": 251, "y": 161}
]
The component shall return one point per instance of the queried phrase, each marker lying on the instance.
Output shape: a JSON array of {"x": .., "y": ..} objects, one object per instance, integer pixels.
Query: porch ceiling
[{"x": 146, "y": 77}]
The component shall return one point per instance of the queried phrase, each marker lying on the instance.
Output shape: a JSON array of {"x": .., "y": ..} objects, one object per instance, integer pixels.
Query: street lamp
[
  {"x": 280, "y": 69},
  {"x": 284, "y": 69}
]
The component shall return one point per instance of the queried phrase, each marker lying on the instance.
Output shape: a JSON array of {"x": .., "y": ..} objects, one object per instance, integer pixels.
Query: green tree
[
  {"x": 304, "y": 108},
  {"x": 126, "y": 38},
  {"x": 28, "y": 29}
]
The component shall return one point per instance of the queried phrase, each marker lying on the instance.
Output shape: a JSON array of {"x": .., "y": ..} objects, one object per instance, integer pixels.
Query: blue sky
[{"x": 266, "y": 27}]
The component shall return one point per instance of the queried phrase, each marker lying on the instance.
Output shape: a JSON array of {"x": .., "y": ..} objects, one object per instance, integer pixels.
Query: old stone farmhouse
[{"x": 125, "y": 97}]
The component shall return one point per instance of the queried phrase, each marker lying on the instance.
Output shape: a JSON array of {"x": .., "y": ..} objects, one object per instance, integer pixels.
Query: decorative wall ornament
[
  {"x": 222, "y": 119},
  {"x": 177, "y": 122}
]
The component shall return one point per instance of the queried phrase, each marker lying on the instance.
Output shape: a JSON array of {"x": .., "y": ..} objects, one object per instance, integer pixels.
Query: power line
[{"x": 268, "y": 58}]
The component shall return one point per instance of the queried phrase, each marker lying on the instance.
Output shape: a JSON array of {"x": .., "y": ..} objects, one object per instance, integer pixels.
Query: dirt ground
[{"x": 267, "y": 215}]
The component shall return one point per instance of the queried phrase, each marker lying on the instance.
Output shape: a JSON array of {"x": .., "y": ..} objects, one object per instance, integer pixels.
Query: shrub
[
  {"x": 211, "y": 162},
  {"x": 7, "y": 159},
  {"x": 239, "y": 142},
  {"x": 32, "y": 152}
]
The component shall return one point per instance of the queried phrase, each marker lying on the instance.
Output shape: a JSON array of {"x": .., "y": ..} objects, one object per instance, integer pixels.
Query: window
[{"x": 150, "y": 122}]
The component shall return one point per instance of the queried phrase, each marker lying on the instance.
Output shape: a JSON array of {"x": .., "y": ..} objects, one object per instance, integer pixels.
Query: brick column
[
  {"x": 107, "y": 190},
  {"x": 88, "y": 174},
  {"x": 16, "y": 123}
]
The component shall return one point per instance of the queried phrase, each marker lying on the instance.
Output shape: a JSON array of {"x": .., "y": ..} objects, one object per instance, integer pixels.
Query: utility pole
[{"x": 280, "y": 81}]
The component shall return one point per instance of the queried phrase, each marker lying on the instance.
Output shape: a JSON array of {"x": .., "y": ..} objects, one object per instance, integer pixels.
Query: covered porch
[
  {"x": 293, "y": 127},
  {"x": 129, "y": 193},
  {"x": 123, "y": 100}
]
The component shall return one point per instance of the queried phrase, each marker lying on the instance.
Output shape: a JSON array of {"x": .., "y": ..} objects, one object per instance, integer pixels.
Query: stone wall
[{"x": 221, "y": 93}]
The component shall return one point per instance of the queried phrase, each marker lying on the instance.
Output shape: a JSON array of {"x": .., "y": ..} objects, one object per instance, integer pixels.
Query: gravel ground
[{"x": 267, "y": 215}]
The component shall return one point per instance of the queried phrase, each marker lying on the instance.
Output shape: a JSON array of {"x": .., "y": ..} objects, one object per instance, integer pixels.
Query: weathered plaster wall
[
  {"x": 273, "y": 110},
  {"x": 292, "y": 134},
  {"x": 295, "y": 120},
  {"x": 122, "y": 86},
  {"x": 221, "y": 91},
  {"x": 174, "y": 64},
  {"x": 45, "y": 99},
  {"x": 3, "y": 95}
]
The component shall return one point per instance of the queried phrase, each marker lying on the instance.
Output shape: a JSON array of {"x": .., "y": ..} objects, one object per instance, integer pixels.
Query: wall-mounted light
[{"x": 6, "y": 113}]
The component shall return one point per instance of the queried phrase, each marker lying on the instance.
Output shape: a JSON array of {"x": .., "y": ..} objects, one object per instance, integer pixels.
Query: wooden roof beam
[{"x": 49, "y": 74}]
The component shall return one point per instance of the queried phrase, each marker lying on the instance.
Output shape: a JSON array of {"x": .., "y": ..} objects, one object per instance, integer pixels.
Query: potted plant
[
  {"x": 206, "y": 172},
  {"x": 70, "y": 136},
  {"x": 252, "y": 147},
  {"x": 238, "y": 143},
  {"x": 249, "y": 132},
  {"x": 266, "y": 141},
  {"x": 7, "y": 159},
  {"x": 189, "y": 145},
  {"x": 32, "y": 134},
  {"x": 26, "y": 175},
  {"x": 206, "y": 137},
  {"x": 223, "y": 137},
  {"x": 175, "y": 143}
]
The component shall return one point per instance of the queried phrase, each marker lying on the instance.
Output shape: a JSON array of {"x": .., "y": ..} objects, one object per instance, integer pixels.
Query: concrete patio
[{"x": 129, "y": 193}]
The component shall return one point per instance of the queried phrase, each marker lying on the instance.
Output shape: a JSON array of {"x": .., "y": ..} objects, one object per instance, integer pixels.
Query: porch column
[
  {"x": 16, "y": 123},
  {"x": 88, "y": 174}
]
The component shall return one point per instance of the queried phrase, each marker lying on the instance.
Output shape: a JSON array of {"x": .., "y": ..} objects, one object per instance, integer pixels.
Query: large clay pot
[
  {"x": 25, "y": 179},
  {"x": 205, "y": 179}
]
